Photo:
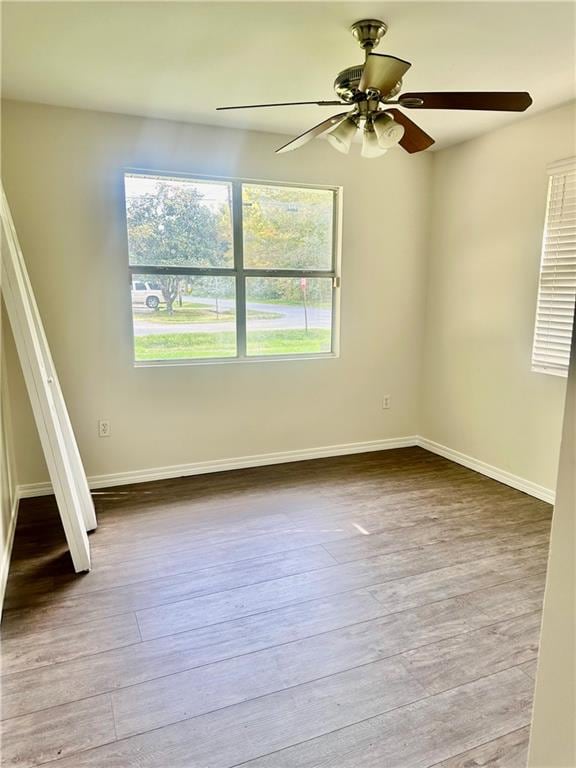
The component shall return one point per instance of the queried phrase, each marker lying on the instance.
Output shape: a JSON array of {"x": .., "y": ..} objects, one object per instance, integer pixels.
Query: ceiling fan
[{"x": 371, "y": 87}]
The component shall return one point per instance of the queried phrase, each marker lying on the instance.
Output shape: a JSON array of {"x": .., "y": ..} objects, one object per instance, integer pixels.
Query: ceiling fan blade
[
  {"x": 504, "y": 101},
  {"x": 381, "y": 72},
  {"x": 312, "y": 133},
  {"x": 414, "y": 139},
  {"x": 284, "y": 104}
]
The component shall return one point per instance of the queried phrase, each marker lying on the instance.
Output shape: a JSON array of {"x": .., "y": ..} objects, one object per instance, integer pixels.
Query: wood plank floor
[{"x": 356, "y": 612}]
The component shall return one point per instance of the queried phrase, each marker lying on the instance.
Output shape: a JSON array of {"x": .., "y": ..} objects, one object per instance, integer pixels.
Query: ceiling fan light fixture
[
  {"x": 342, "y": 135},
  {"x": 370, "y": 145},
  {"x": 370, "y": 88},
  {"x": 387, "y": 130}
]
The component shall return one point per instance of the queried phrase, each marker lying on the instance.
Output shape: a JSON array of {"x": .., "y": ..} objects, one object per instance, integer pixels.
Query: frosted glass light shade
[
  {"x": 370, "y": 146},
  {"x": 387, "y": 130},
  {"x": 341, "y": 137}
]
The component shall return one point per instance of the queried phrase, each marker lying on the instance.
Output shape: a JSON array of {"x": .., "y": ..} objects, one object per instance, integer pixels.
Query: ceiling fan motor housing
[{"x": 347, "y": 82}]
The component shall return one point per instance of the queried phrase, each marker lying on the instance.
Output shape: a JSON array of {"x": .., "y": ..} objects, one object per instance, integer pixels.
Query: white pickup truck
[{"x": 146, "y": 294}]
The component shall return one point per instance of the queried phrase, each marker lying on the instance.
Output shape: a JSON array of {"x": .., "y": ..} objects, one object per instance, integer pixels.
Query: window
[
  {"x": 557, "y": 288},
  {"x": 230, "y": 269}
]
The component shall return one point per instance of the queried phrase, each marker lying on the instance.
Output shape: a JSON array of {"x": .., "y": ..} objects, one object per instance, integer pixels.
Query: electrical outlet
[
  {"x": 386, "y": 402},
  {"x": 103, "y": 428}
]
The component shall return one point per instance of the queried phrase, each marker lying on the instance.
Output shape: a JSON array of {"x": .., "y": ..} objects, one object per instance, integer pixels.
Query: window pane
[
  {"x": 178, "y": 222},
  {"x": 288, "y": 315},
  {"x": 286, "y": 227},
  {"x": 183, "y": 318}
]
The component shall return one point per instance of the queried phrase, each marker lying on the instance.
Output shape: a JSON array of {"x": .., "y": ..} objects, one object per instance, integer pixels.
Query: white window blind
[{"x": 557, "y": 287}]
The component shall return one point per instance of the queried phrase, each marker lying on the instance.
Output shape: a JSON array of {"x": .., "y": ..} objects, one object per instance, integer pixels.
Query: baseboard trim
[
  {"x": 223, "y": 465},
  {"x": 514, "y": 481},
  {"x": 7, "y": 551},
  {"x": 282, "y": 457}
]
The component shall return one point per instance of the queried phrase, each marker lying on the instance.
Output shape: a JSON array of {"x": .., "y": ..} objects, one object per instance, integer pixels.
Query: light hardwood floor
[{"x": 370, "y": 611}]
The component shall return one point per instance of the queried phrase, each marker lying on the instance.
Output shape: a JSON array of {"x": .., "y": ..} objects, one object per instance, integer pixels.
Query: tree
[
  {"x": 287, "y": 228},
  {"x": 171, "y": 227}
]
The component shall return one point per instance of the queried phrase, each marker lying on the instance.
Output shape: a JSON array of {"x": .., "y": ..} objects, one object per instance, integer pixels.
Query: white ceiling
[{"x": 182, "y": 59}]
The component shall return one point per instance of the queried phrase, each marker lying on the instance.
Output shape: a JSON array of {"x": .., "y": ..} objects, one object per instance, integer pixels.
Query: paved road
[{"x": 287, "y": 316}]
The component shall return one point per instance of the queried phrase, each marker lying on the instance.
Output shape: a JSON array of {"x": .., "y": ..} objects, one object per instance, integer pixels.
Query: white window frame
[
  {"x": 557, "y": 282},
  {"x": 240, "y": 272}
]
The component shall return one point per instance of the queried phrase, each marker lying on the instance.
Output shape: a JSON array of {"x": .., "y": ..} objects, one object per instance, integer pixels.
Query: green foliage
[
  {"x": 284, "y": 228},
  {"x": 287, "y": 228},
  {"x": 172, "y": 228}
]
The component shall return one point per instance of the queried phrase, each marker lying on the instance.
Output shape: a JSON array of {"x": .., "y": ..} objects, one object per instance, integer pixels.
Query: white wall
[
  {"x": 479, "y": 396},
  {"x": 62, "y": 174}
]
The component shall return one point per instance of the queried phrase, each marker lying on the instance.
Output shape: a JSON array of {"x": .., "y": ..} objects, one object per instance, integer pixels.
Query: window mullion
[
  {"x": 143, "y": 269},
  {"x": 289, "y": 273},
  {"x": 238, "y": 240}
]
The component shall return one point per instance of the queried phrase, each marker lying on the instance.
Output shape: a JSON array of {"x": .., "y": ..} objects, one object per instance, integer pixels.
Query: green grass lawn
[
  {"x": 198, "y": 313},
  {"x": 186, "y": 346},
  {"x": 294, "y": 341}
]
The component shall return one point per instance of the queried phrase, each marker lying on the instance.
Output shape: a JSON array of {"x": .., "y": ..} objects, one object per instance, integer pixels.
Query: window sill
[{"x": 234, "y": 360}]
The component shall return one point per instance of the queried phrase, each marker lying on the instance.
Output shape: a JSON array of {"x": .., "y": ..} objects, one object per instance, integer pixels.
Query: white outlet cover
[{"x": 104, "y": 428}]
